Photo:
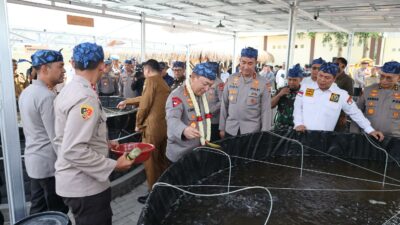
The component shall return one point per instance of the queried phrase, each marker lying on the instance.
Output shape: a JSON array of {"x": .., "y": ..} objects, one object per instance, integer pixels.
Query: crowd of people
[{"x": 65, "y": 125}]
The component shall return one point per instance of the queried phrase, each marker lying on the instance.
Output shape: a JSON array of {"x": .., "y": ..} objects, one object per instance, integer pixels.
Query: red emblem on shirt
[
  {"x": 176, "y": 101},
  {"x": 350, "y": 100},
  {"x": 300, "y": 93},
  {"x": 221, "y": 86}
]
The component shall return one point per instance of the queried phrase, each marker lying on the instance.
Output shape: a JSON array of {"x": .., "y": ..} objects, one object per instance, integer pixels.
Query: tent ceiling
[{"x": 263, "y": 15}]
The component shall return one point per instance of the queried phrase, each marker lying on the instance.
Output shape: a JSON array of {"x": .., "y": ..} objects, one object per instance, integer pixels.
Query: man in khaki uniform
[
  {"x": 246, "y": 101},
  {"x": 183, "y": 125},
  {"x": 82, "y": 166},
  {"x": 179, "y": 74},
  {"x": 381, "y": 102},
  {"x": 214, "y": 96},
  {"x": 20, "y": 82},
  {"x": 37, "y": 115},
  {"x": 107, "y": 85}
]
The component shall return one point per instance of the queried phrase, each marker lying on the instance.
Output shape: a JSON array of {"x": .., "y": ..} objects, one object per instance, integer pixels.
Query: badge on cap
[
  {"x": 334, "y": 97},
  {"x": 310, "y": 92},
  {"x": 86, "y": 111},
  {"x": 176, "y": 101}
]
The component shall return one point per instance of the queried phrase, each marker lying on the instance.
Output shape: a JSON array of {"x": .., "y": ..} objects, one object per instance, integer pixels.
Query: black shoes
[{"x": 143, "y": 199}]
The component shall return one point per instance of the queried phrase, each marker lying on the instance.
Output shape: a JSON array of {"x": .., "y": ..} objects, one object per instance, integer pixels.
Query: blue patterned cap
[
  {"x": 318, "y": 61},
  {"x": 296, "y": 71},
  {"x": 249, "y": 52},
  {"x": 179, "y": 64},
  {"x": 392, "y": 67},
  {"x": 215, "y": 66},
  {"x": 128, "y": 61},
  {"x": 42, "y": 57},
  {"x": 331, "y": 68},
  {"x": 206, "y": 70},
  {"x": 86, "y": 53},
  {"x": 108, "y": 61}
]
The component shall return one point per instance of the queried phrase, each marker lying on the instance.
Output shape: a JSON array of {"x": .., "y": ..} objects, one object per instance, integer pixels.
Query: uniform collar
[
  {"x": 82, "y": 80},
  {"x": 40, "y": 83}
]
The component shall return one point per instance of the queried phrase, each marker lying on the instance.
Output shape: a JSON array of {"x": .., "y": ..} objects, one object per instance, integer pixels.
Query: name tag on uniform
[
  {"x": 334, "y": 97},
  {"x": 373, "y": 99},
  {"x": 310, "y": 92}
]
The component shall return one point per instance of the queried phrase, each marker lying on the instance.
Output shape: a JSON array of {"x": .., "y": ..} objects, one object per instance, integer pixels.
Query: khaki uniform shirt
[
  {"x": 382, "y": 108},
  {"x": 82, "y": 166},
  {"x": 20, "y": 83},
  {"x": 37, "y": 115},
  {"x": 150, "y": 117},
  {"x": 214, "y": 96},
  {"x": 181, "y": 114},
  {"x": 246, "y": 105}
]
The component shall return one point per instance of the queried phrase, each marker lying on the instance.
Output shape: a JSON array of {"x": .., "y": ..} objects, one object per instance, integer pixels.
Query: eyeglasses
[{"x": 315, "y": 68}]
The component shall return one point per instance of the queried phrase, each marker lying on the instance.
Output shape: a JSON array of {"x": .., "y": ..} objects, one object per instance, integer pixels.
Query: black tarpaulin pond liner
[{"x": 198, "y": 165}]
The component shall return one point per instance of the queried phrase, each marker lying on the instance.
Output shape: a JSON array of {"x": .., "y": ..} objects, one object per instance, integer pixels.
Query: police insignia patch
[
  {"x": 334, "y": 97},
  {"x": 176, "y": 101},
  {"x": 221, "y": 86},
  {"x": 310, "y": 92},
  {"x": 86, "y": 111}
]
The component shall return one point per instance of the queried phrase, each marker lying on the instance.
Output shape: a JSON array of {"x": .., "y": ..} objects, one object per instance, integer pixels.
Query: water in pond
[{"x": 294, "y": 205}]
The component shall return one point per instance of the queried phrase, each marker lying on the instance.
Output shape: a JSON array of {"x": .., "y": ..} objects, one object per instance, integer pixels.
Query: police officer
[
  {"x": 285, "y": 98},
  {"x": 107, "y": 85},
  {"x": 381, "y": 102},
  {"x": 214, "y": 96},
  {"x": 82, "y": 166},
  {"x": 246, "y": 101},
  {"x": 188, "y": 115},
  {"x": 126, "y": 79},
  {"x": 315, "y": 67},
  {"x": 179, "y": 74},
  {"x": 318, "y": 105},
  {"x": 20, "y": 82},
  {"x": 37, "y": 115}
]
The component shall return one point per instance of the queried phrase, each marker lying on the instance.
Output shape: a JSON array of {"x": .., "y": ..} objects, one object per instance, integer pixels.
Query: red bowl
[{"x": 128, "y": 147}]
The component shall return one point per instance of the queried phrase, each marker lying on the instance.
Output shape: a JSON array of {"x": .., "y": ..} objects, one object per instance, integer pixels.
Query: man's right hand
[
  {"x": 222, "y": 134},
  {"x": 121, "y": 105},
  {"x": 284, "y": 91},
  {"x": 123, "y": 164},
  {"x": 300, "y": 128},
  {"x": 191, "y": 133}
]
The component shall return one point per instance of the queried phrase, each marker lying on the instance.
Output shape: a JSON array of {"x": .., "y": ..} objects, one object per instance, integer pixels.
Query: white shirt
[
  {"x": 280, "y": 78},
  {"x": 308, "y": 81},
  {"x": 320, "y": 110},
  {"x": 224, "y": 76}
]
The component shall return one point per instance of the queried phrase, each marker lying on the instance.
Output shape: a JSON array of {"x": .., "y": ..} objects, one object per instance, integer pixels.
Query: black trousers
[
  {"x": 44, "y": 197},
  {"x": 92, "y": 210},
  {"x": 230, "y": 135},
  {"x": 215, "y": 132}
]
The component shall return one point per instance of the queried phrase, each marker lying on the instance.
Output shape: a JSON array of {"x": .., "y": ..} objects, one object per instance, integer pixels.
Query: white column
[
  {"x": 291, "y": 35},
  {"x": 349, "y": 47},
  {"x": 234, "y": 53},
  {"x": 8, "y": 124},
  {"x": 143, "y": 38},
  {"x": 188, "y": 61}
]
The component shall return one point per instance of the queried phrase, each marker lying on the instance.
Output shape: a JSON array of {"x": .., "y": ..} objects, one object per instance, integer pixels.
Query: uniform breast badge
[
  {"x": 334, "y": 97},
  {"x": 310, "y": 92},
  {"x": 86, "y": 111}
]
